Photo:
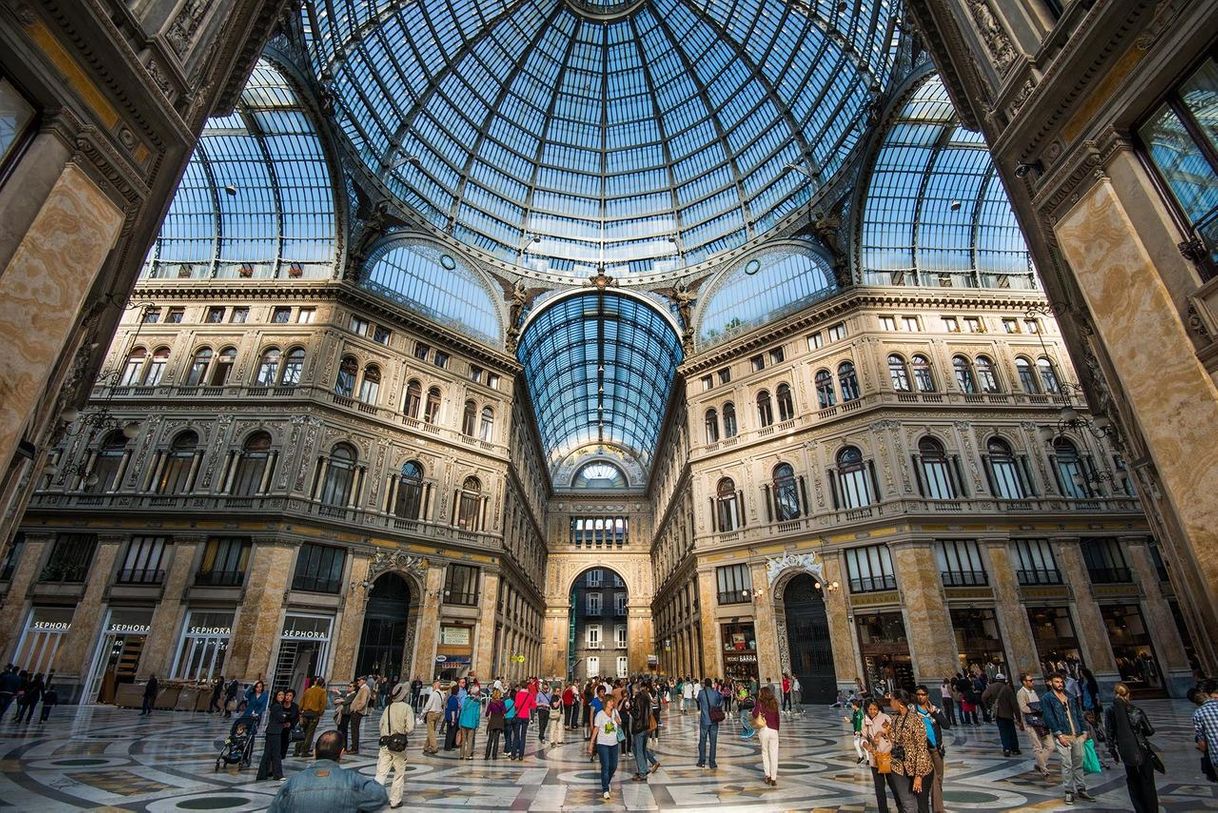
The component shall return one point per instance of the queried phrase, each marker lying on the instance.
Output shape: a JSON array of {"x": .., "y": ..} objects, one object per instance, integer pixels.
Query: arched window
[
  {"x": 1027, "y": 376},
  {"x": 469, "y": 506},
  {"x": 133, "y": 367},
  {"x": 786, "y": 493},
  {"x": 414, "y": 398},
  {"x": 924, "y": 380},
  {"x": 176, "y": 474},
  {"x": 198, "y": 367},
  {"x": 223, "y": 367},
  {"x": 1069, "y": 471},
  {"x": 855, "y": 488},
  {"x": 431, "y": 410},
  {"x": 965, "y": 379},
  {"x": 370, "y": 387},
  {"x": 107, "y": 467},
  {"x": 765, "y": 411},
  {"x": 344, "y": 382},
  {"x": 336, "y": 488},
  {"x": 1006, "y": 479},
  {"x": 293, "y": 366},
  {"x": 987, "y": 377},
  {"x": 712, "y": 426},
  {"x": 409, "y": 501},
  {"x": 156, "y": 368},
  {"x": 268, "y": 368},
  {"x": 469, "y": 416},
  {"x": 848, "y": 380},
  {"x": 486, "y": 430},
  {"x": 934, "y": 471},
  {"x": 251, "y": 466},
  {"x": 786, "y": 406},
  {"x": 898, "y": 373},
  {"x": 1048, "y": 376},
  {"x": 727, "y": 507},
  {"x": 826, "y": 396},
  {"x": 729, "y": 420}
]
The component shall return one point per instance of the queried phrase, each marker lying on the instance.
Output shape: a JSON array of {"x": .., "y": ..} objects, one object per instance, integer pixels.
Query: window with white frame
[
  {"x": 619, "y": 636},
  {"x": 593, "y": 602},
  {"x": 595, "y": 577},
  {"x": 619, "y": 604},
  {"x": 960, "y": 562},
  {"x": 623, "y": 666},
  {"x": 1035, "y": 562},
  {"x": 837, "y": 332},
  {"x": 592, "y": 634}
]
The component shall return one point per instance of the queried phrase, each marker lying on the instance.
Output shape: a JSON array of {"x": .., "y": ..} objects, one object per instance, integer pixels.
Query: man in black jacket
[{"x": 150, "y": 693}]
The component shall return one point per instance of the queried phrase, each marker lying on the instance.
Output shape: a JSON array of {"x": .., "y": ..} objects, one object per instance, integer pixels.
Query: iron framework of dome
[{"x": 637, "y": 138}]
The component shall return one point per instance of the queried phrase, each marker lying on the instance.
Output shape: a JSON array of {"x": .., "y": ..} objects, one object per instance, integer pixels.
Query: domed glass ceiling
[{"x": 573, "y": 136}]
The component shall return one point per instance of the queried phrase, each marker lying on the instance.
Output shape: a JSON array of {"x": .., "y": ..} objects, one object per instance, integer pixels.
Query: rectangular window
[
  {"x": 152, "y": 316},
  {"x": 973, "y": 324},
  {"x": 238, "y": 316},
  {"x": 69, "y": 559},
  {"x": 910, "y": 323},
  {"x": 143, "y": 563},
  {"x": 593, "y": 602},
  {"x": 593, "y": 636},
  {"x": 619, "y": 636},
  {"x": 725, "y": 375},
  {"x": 735, "y": 584},
  {"x": 461, "y": 585},
  {"x": 1036, "y": 563},
  {"x": 440, "y": 359},
  {"x": 869, "y": 569},
  {"x": 422, "y": 351},
  {"x": 960, "y": 563},
  {"x": 1105, "y": 560},
  {"x": 304, "y": 316},
  {"x": 1010, "y": 325},
  {"x": 215, "y": 316},
  {"x": 1031, "y": 326},
  {"x": 757, "y": 363},
  {"x": 707, "y": 382},
  {"x": 16, "y": 118},
  {"x": 951, "y": 324},
  {"x": 623, "y": 665},
  {"x": 617, "y": 581},
  {"x": 837, "y": 332},
  {"x": 595, "y": 577},
  {"x": 319, "y": 569},
  {"x": 174, "y": 316},
  {"x": 475, "y": 373},
  {"x": 888, "y": 323},
  {"x": 381, "y": 334},
  {"x": 359, "y": 326},
  {"x": 777, "y": 356},
  {"x": 281, "y": 315},
  {"x": 619, "y": 603},
  {"x": 594, "y": 666},
  {"x": 816, "y": 341},
  {"x": 224, "y": 561},
  {"x": 492, "y": 380}
]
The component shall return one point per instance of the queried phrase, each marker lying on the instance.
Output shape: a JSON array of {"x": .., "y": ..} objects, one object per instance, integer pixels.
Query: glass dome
[{"x": 574, "y": 136}]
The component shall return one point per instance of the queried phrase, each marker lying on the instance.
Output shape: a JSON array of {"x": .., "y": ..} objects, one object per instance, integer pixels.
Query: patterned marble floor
[{"x": 98, "y": 757}]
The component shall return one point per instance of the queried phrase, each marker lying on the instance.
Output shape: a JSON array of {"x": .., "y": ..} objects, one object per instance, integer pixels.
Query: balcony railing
[
  {"x": 316, "y": 584},
  {"x": 141, "y": 576},
  {"x": 468, "y": 599},
  {"x": 964, "y": 578},
  {"x": 1110, "y": 575},
  {"x": 873, "y": 584},
  {"x": 735, "y": 597},
  {"x": 1034, "y": 577},
  {"x": 220, "y": 578},
  {"x": 63, "y": 573}
]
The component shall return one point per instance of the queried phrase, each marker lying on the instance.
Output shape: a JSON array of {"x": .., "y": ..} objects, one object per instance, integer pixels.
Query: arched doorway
[
  {"x": 597, "y": 636},
  {"x": 808, "y": 638},
  {"x": 382, "y": 645}
]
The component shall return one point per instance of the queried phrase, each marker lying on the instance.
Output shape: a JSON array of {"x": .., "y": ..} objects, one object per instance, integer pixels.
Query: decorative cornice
[{"x": 1084, "y": 164}]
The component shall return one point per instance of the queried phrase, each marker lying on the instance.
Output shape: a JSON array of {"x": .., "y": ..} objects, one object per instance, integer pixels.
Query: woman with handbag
[
  {"x": 397, "y": 721},
  {"x": 910, "y": 754},
  {"x": 877, "y": 742},
  {"x": 1128, "y": 731},
  {"x": 496, "y": 723},
  {"x": 468, "y": 717},
  {"x": 605, "y": 740},
  {"x": 765, "y": 720}
]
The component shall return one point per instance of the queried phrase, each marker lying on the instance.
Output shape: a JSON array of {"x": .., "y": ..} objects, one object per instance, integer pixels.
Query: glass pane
[
  {"x": 15, "y": 115},
  {"x": 1200, "y": 95},
  {"x": 1181, "y": 162}
]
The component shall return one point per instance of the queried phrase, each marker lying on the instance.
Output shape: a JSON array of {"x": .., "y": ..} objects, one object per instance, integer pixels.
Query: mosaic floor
[{"x": 104, "y": 758}]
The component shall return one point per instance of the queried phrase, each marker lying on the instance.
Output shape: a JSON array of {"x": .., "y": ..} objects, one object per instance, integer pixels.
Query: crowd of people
[{"x": 25, "y": 690}]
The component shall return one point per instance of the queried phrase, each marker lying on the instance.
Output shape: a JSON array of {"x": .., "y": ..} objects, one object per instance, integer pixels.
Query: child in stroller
[{"x": 238, "y": 746}]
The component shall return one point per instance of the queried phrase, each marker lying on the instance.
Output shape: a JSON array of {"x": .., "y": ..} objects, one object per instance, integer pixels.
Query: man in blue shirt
[
  {"x": 325, "y": 787},
  {"x": 1063, "y": 716},
  {"x": 932, "y": 720},
  {"x": 708, "y": 728}
]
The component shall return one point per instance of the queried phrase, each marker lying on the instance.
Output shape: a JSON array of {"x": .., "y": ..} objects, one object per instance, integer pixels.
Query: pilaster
[
  {"x": 79, "y": 641},
  {"x": 1010, "y": 607},
  {"x": 841, "y": 632},
  {"x": 33, "y": 552},
  {"x": 1168, "y": 646},
  {"x": 769, "y": 663},
  {"x": 1089, "y": 623},
  {"x": 157, "y": 655},
  {"x": 554, "y": 633},
  {"x": 708, "y": 600},
  {"x": 484, "y": 647},
  {"x": 350, "y": 624},
  {"x": 932, "y": 645},
  {"x": 424, "y": 657},
  {"x": 258, "y": 623}
]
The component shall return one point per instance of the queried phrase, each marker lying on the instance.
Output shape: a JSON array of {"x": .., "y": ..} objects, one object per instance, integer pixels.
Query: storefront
[
  {"x": 203, "y": 645},
  {"x": 1131, "y": 645},
  {"x": 884, "y": 649},
  {"x": 304, "y": 651},
  {"x": 740, "y": 651},
  {"x": 978, "y": 642},
  {"x": 45, "y": 630},
  {"x": 1056, "y": 641},
  {"x": 456, "y": 647},
  {"x": 118, "y": 652}
]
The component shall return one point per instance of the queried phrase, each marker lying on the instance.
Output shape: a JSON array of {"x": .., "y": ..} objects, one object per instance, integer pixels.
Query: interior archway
[
  {"x": 597, "y": 634},
  {"x": 382, "y": 644},
  {"x": 808, "y": 639}
]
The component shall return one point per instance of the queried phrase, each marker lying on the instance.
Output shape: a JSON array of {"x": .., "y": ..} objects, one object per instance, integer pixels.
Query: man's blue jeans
[
  {"x": 644, "y": 757},
  {"x": 707, "y": 732},
  {"x": 608, "y": 755}
]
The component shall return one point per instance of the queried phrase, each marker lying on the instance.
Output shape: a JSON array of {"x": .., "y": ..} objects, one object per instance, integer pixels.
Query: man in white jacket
[{"x": 397, "y": 719}]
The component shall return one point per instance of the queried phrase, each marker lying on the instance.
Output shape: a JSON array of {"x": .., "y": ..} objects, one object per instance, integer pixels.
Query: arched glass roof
[
  {"x": 437, "y": 285},
  {"x": 256, "y": 199},
  {"x": 599, "y": 474},
  {"x": 936, "y": 212},
  {"x": 762, "y": 288},
  {"x": 571, "y": 135},
  {"x": 599, "y": 367}
]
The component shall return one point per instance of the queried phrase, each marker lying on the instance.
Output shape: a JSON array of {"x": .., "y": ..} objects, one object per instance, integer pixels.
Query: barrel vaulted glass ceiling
[{"x": 573, "y": 136}]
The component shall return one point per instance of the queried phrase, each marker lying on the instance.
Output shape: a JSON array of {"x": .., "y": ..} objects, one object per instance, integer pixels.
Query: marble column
[
  {"x": 43, "y": 288},
  {"x": 1009, "y": 607},
  {"x": 1119, "y": 241},
  {"x": 708, "y": 600},
  {"x": 1160, "y": 622},
  {"x": 932, "y": 643},
  {"x": 765, "y": 626},
  {"x": 349, "y": 626},
  {"x": 259, "y": 621},
  {"x": 12, "y": 613},
  {"x": 1088, "y": 622},
  {"x": 554, "y": 632},
  {"x": 81, "y": 640},
  {"x": 428, "y": 634},
  {"x": 841, "y": 631},
  {"x": 640, "y": 635},
  {"x": 162, "y": 641},
  {"x": 484, "y": 647}
]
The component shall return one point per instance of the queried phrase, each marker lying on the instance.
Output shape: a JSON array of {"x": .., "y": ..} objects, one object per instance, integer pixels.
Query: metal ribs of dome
[{"x": 639, "y": 143}]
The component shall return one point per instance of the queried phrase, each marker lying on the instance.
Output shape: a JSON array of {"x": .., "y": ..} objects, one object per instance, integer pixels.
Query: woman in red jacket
[
  {"x": 526, "y": 701},
  {"x": 569, "y": 707}
]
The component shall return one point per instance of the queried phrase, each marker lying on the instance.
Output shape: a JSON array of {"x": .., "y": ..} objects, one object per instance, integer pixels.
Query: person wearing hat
[
  {"x": 1001, "y": 697},
  {"x": 396, "y": 721}
]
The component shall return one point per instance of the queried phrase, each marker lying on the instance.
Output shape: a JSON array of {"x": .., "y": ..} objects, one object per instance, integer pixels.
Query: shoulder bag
[{"x": 898, "y": 749}]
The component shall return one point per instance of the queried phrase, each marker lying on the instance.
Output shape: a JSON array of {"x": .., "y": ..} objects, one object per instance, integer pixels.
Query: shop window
[
  {"x": 204, "y": 644},
  {"x": 735, "y": 584},
  {"x": 960, "y": 563},
  {"x": 143, "y": 562},
  {"x": 319, "y": 569},
  {"x": 869, "y": 569},
  {"x": 1036, "y": 563},
  {"x": 70, "y": 558},
  {"x": 978, "y": 641}
]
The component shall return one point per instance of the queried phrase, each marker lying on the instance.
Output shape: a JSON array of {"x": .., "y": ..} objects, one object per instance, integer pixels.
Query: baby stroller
[
  {"x": 746, "y": 706},
  {"x": 238, "y": 746}
]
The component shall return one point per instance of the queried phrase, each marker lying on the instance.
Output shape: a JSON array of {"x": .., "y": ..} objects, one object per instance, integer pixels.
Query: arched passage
[
  {"x": 382, "y": 645},
  {"x": 811, "y": 650},
  {"x": 597, "y": 635}
]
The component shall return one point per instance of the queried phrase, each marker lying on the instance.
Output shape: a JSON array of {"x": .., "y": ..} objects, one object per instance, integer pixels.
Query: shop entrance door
[
  {"x": 808, "y": 637},
  {"x": 383, "y": 642}
]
